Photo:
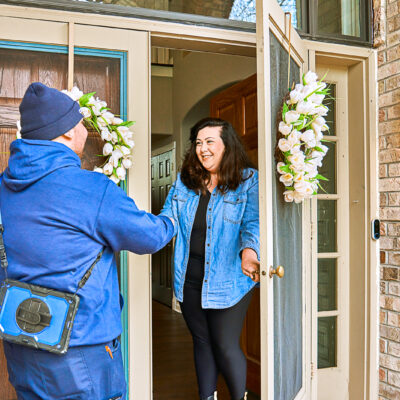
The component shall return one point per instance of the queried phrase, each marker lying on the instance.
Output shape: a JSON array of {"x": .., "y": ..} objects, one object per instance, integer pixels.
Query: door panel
[
  {"x": 287, "y": 235},
  {"x": 161, "y": 182}
]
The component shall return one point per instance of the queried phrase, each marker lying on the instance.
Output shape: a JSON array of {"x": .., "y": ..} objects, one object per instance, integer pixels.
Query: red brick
[
  {"x": 393, "y": 39},
  {"x": 383, "y": 171},
  {"x": 389, "y": 184},
  {"x": 388, "y": 127},
  {"x": 383, "y": 345},
  {"x": 393, "y": 348},
  {"x": 382, "y": 257},
  {"x": 390, "y": 362},
  {"x": 393, "y": 24},
  {"x": 394, "y": 288},
  {"x": 382, "y": 374},
  {"x": 394, "y": 111},
  {"x": 393, "y": 229},
  {"x": 389, "y": 392},
  {"x": 393, "y": 378},
  {"x": 388, "y": 69},
  {"x": 394, "y": 199},
  {"x": 394, "y": 169},
  {"x": 390, "y": 213},
  {"x": 394, "y": 258},
  {"x": 393, "y": 319},
  {"x": 392, "y": 83}
]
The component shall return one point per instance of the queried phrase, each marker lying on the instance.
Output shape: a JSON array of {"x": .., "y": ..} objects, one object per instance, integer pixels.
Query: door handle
[{"x": 279, "y": 271}]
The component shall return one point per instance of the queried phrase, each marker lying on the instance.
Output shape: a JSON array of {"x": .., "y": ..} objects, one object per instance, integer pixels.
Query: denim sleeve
[
  {"x": 169, "y": 209},
  {"x": 122, "y": 226},
  {"x": 250, "y": 226}
]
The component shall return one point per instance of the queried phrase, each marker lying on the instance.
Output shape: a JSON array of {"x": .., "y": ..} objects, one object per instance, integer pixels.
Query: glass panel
[
  {"x": 241, "y": 10},
  {"x": 327, "y": 284},
  {"x": 327, "y": 226},
  {"x": 327, "y": 327},
  {"x": 328, "y": 170},
  {"x": 297, "y": 9},
  {"x": 331, "y": 104},
  {"x": 288, "y": 299},
  {"x": 339, "y": 17}
]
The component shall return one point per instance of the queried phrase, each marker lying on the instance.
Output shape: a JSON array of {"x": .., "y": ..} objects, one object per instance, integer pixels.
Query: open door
[{"x": 284, "y": 227}]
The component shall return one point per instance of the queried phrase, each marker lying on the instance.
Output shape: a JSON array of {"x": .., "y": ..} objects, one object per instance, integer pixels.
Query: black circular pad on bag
[{"x": 33, "y": 315}]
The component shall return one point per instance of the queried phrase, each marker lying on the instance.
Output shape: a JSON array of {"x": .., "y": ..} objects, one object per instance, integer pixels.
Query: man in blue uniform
[{"x": 57, "y": 218}]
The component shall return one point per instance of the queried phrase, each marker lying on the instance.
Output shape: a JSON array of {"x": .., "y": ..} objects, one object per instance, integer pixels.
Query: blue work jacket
[
  {"x": 232, "y": 225},
  {"x": 57, "y": 217}
]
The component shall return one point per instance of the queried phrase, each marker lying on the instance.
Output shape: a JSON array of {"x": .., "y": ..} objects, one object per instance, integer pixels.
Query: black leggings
[{"x": 216, "y": 335}]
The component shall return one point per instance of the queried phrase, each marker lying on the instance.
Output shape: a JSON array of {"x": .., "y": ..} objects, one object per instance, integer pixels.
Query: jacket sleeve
[
  {"x": 169, "y": 209},
  {"x": 250, "y": 225},
  {"x": 122, "y": 226}
]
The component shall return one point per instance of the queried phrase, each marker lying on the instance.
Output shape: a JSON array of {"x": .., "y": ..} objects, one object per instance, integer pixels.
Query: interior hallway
[{"x": 174, "y": 376}]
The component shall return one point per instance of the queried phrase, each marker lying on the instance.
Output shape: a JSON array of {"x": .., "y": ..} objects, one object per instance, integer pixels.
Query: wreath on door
[{"x": 300, "y": 149}]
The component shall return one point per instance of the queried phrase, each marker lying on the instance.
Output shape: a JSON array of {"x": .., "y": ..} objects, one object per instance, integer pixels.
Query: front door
[
  {"x": 285, "y": 344},
  {"x": 98, "y": 62}
]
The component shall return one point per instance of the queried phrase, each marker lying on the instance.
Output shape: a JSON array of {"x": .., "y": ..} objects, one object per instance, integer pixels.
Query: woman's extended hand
[{"x": 250, "y": 264}]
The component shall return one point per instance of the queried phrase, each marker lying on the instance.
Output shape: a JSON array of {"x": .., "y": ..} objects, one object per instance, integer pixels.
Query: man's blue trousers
[{"x": 83, "y": 373}]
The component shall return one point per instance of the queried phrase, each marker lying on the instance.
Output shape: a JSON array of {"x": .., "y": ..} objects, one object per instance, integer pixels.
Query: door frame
[{"x": 180, "y": 36}]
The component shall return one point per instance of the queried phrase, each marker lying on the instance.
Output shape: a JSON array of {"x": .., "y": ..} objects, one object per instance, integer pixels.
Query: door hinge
[
  {"x": 312, "y": 230},
  {"x": 312, "y": 370}
]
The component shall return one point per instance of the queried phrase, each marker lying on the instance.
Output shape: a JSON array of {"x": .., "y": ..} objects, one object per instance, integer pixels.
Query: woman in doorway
[{"x": 214, "y": 203}]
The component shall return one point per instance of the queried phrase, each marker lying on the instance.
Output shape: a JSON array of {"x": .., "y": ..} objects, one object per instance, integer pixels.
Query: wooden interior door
[
  {"x": 238, "y": 105},
  {"x": 162, "y": 178},
  {"x": 18, "y": 69}
]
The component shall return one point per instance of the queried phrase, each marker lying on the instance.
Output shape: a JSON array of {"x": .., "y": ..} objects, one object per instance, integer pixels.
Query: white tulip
[
  {"x": 284, "y": 145},
  {"x": 85, "y": 112},
  {"x": 297, "y": 158},
  {"x": 308, "y": 135},
  {"x": 113, "y": 161},
  {"x": 305, "y": 107},
  {"x": 101, "y": 122},
  {"x": 125, "y": 150},
  {"x": 322, "y": 110},
  {"x": 298, "y": 197},
  {"x": 98, "y": 169},
  {"x": 286, "y": 179},
  {"x": 291, "y": 116},
  {"x": 312, "y": 174},
  {"x": 324, "y": 148},
  {"x": 285, "y": 129},
  {"x": 295, "y": 96},
  {"x": 108, "y": 169},
  {"x": 288, "y": 196},
  {"x": 121, "y": 173},
  {"x": 114, "y": 179},
  {"x": 309, "y": 88},
  {"x": 299, "y": 178},
  {"x": 107, "y": 149},
  {"x": 278, "y": 167},
  {"x": 130, "y": 143},
  {"x": 105, "y": 134},
  {"x": 310, "y": 77},
  {"x": 299, "y": 87},
  {"x": 96, "y": 109},
  {"x": 127, "y": 163},
  {"x": 325, "y": 128},
  {"x": 117, "y": 121},
  {"x": 109, "y": 117},
  {"x": 317, "y": 98},
  {"x": 117, "y": 154},
  {"x": 92, "y": 100},
  {"x": 114, "y": 137}
]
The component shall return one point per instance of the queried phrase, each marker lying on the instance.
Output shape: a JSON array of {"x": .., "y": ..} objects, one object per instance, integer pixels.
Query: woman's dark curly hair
[{"x": 194, "y": 176}]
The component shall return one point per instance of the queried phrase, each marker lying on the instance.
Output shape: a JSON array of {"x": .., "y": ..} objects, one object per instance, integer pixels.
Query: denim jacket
[{"x": 232, "y": 225}]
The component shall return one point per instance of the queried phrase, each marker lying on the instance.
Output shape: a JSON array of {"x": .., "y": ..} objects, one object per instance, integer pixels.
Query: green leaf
[
  {"x": 126, "y": 123},
  {"x": 318, "y": 149},
  {"x": 322, "y": 178},
  {"x": 85, "y": 99}
]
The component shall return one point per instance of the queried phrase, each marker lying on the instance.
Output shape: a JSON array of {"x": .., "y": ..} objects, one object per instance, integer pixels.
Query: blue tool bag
[{"x": 36, "y": 316}]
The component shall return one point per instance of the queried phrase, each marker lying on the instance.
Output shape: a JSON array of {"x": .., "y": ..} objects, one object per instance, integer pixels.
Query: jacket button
[
  {"x": 209, "y": 209},
  {"x": 208, "y": 244},
  {"x": 205, "y": 280}
]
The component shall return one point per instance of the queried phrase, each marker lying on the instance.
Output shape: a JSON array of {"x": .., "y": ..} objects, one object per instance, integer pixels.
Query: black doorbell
[{"x": 376, "y": 229}]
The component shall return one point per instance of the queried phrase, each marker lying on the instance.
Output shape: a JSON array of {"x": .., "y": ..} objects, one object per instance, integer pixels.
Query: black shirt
[{"x": 195, "y": 268}]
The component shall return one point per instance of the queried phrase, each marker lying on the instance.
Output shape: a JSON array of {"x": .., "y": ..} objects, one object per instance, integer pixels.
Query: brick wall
[{"x": 389, "y": 170}]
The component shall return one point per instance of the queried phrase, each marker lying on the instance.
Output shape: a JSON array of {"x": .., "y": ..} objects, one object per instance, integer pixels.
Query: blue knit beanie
[{"x": 47, "y": 113}]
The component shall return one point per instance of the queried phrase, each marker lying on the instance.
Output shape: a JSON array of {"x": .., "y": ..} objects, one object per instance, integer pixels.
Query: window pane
[
  {"x": 241, "y": 10},
  {"x": 327, "y": 226},
  {"x": 328, "y": 169},
  {"x": 327, "y": 327},
  {"x": 330, "y": 102},
  {"x": 297, "y": 9},
  {"x": 327, "y": 284},
  {"x": 339, "y": 17}
]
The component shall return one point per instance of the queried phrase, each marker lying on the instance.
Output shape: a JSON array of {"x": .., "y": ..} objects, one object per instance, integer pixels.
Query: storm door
[{"x": 285, "y": 370}]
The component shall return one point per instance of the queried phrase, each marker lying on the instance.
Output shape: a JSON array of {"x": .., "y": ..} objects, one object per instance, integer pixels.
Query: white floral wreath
[
  {"x": 302, "y": 125},
  {"x": 114, "y": 131}
]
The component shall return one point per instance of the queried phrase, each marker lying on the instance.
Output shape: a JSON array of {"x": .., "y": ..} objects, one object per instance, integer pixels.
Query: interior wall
[
  {"x": 195, "y": 77},
  {"x": 358, "y": 262}
]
